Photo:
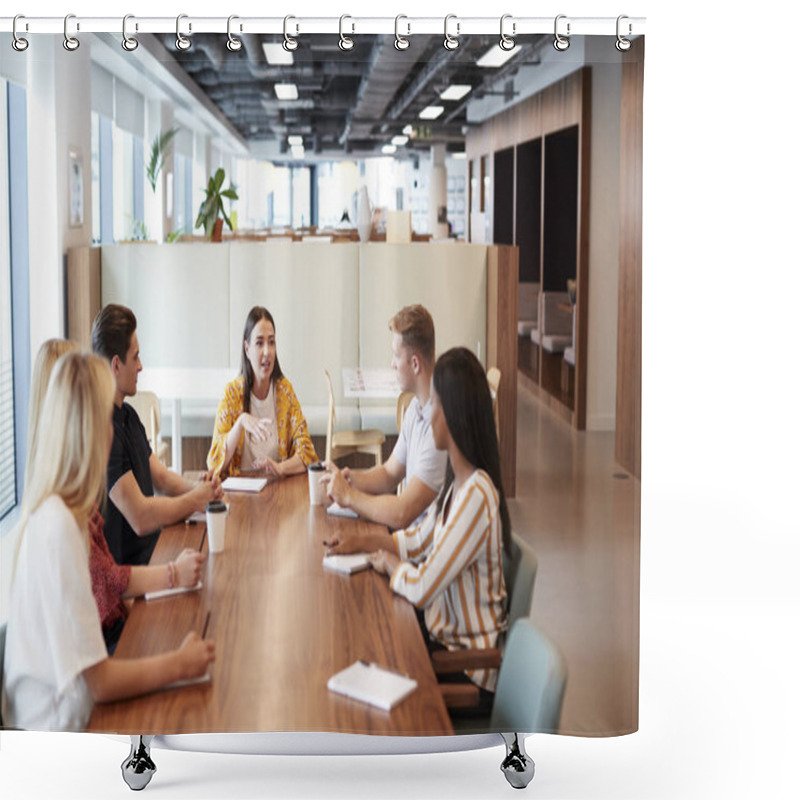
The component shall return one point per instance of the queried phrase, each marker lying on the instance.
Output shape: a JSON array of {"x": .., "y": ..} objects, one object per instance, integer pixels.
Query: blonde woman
[
  {"x": 112, "y": 583},
  {"x": 56, "y": 665}
]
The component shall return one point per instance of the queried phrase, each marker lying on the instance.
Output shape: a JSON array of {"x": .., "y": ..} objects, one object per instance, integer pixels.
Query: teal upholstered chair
[{"x": 530, "y": 687}]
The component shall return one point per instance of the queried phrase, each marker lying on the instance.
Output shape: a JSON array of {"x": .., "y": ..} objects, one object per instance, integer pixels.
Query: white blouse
[
  {"x": 54, "y": 631},
  {"x": 259, "y": 451}
]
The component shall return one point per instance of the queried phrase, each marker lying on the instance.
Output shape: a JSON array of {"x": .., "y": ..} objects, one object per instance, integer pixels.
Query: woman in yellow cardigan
[{"x": 259, "y": 424}]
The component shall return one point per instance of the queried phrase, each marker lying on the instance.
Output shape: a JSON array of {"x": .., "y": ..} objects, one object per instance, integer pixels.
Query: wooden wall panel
[
  {"x": 629, "y": 324},
  {"x": 83, "y": 293},
  {"x": 501, "y": 350}
]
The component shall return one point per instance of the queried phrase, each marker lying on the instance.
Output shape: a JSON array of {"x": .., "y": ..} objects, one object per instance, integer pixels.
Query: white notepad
[
  {"x": 372, "y": 684},
  {"x": 334, "y": 509},
  {"x": 175, "y": 590},
  {"x": 348, "y": 564},
  {"x": 206, "y": 678},
  {"x": 243, "y": 484}
]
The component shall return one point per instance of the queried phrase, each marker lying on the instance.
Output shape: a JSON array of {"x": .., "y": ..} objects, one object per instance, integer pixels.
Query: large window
[
  {"x": 14, "y": 295},
  {"x": 337, "y": 186},
  {"x": 8, "y": 484}
]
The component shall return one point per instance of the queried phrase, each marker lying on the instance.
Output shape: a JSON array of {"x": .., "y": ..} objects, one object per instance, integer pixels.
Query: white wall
[{"x": 45, "y": 161}]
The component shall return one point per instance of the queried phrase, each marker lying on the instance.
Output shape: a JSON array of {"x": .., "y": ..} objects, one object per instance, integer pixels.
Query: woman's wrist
[{"x": 171, "y": 575}]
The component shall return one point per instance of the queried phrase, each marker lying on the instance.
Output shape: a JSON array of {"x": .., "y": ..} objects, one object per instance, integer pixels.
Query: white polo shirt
[{"x": 416, "y": 450}]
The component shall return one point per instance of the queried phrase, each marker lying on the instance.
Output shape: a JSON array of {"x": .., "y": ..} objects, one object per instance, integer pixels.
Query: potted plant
[
  {"x": 158, "y": 151},
  {"x": 211, "y": 211}
]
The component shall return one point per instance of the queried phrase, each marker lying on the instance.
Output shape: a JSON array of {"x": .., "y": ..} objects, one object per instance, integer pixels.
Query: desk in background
[{"x": 184, "y": 384}]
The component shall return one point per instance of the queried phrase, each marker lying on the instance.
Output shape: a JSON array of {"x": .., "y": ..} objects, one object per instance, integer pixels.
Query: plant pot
[{"x": 216, "y": 234}]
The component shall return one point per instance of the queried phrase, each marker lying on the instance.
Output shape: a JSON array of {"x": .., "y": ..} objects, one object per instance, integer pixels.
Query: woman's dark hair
[
  {"x": 460, "y": 383},
  {"x": 257, "y": 313}
]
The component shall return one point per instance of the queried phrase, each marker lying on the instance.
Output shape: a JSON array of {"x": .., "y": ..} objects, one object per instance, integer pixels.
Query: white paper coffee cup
[
  {"x": 216, "y": 518},
  {"x": 316, "y": 491}
]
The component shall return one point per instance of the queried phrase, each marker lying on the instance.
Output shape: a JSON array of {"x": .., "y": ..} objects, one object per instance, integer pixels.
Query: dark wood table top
[{"x": 283, "y": 625}]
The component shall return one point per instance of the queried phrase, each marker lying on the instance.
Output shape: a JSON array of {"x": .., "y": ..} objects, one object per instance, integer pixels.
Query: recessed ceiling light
[
  {"x": 408, "y": 130},
  {"x": 298, "y": 151},
  {"x": 388, "y": 149},
  {"x": 295, "y": 140},
  {"x": 400, "y": 140},
  {"x": 275, "y": 54},
  {"x": 431, "y": 112},
  {"x": 286, "y": 91},
  {"x": 456, "y": 91},
  {"x": 496, "y": 56}
]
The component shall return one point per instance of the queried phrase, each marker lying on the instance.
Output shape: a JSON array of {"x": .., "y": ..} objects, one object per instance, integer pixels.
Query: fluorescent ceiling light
[
  {"x": 408, "y": 130},
  {"x": 275, "y": 54},
  {"x": 456, "y": 91},
  {"x": 295, "y": 141},
  {"x": 496, "y": 56},
  {"x": 286, "y": 91},
  {"x": 388, "y": 149},
  {"x": 399, "y": 140},
  {"x": 298, "y": 151},
  {"x": 431, "y": 112},
  {"x": 460, "y": 155}
]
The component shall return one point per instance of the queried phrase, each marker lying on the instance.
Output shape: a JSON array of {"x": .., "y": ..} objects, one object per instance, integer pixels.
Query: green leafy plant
[
  {"x": 211, "y": 209},
  {"x": 158, "y": 151},
  {"x": 174, "y": 236},
  {"x": 140, "y": 231}
]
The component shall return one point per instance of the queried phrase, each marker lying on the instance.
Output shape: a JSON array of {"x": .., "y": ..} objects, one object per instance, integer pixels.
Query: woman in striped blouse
[{"x": 451, "y": 565}]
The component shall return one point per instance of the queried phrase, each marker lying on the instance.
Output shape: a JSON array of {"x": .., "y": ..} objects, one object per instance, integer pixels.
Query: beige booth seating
[
  {"x": 331, "y": 304},
  {"x": 555, "y": 324},
  {"x": 313, "y": 298},
  {"x": 528, "y": 308},
  {"x": 449, "y": 281}
]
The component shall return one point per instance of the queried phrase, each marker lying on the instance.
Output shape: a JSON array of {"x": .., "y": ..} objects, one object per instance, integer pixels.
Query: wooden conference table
[{"x": 282, "y": 625}]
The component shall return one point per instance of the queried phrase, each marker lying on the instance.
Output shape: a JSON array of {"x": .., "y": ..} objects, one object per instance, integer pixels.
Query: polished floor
[{"x": 580, "y": 511}]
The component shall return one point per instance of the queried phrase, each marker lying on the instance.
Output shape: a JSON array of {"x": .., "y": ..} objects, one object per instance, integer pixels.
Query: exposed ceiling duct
[{"x": 343, "y": 101}]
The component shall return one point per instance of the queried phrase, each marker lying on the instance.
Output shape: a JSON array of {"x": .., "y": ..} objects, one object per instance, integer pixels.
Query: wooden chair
[
  {"x": 493, "y": 379},
  {"x": 403, "y": 401},
  {"x": 147, "y": 407},
  {"x": 519, "y": 574},
  {"x": 343, "y": 443}
]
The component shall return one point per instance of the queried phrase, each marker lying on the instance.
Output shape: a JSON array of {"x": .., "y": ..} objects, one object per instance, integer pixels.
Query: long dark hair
[
  {"x": 257, "y": 313},
  {"x": 460, "y": 383}
]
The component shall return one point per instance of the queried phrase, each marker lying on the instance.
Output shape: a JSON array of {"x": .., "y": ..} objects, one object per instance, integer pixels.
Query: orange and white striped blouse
[{"x": 454, "y": 570}]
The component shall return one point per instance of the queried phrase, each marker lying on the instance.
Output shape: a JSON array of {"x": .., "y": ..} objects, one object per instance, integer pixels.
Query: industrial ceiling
[{"x": 347, "y": 101}]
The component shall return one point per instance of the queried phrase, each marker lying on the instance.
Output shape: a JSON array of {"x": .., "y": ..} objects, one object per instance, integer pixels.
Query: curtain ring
[
  {"x": 18, "y": 43},
  {"x": 70, "y": 42},
  {"x": 345, "y": 42},
  {"x": 451, "y": 42},
  {"x": 181, "y": 42},
  {"x": 129, "y": 43},
  {"x": 622, "y": 44},
  {"x": 400, "y": 42},
  {"x": 507, "y": 43},
  {"x": 233, "y": 44},
  {"x": 561, "y": 43},
  {"x": 289, "y": 44}
]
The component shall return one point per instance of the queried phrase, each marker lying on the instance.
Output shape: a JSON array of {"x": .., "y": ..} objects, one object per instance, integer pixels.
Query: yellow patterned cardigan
[{"x": 293, "y": 436}]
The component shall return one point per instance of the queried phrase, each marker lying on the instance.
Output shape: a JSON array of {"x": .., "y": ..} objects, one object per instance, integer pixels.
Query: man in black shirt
[{"x": 134, "y": 513}]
